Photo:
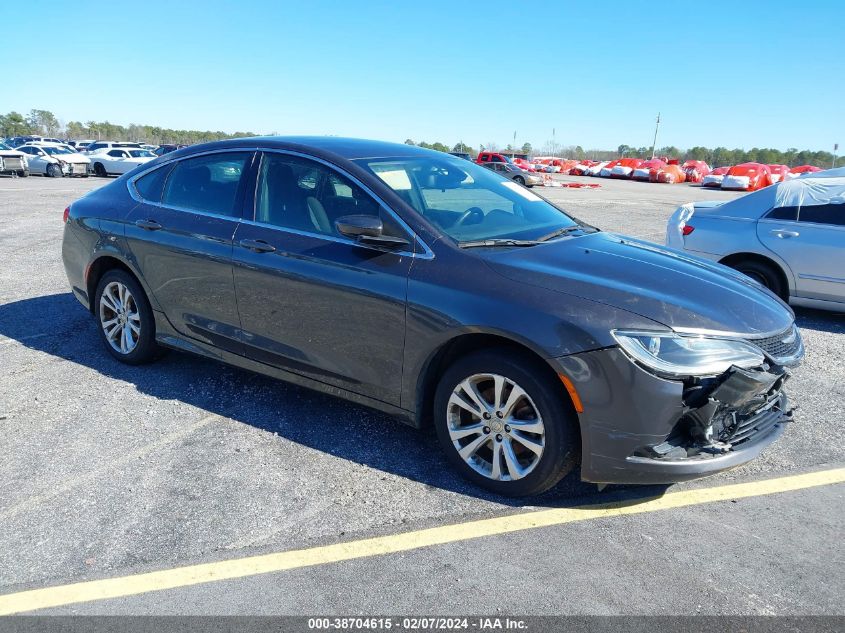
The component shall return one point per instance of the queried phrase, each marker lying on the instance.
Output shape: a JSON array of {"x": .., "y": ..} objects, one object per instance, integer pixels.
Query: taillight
[
  {"x": 65, "y": 215},
  {"x": 687, "y": 229}
]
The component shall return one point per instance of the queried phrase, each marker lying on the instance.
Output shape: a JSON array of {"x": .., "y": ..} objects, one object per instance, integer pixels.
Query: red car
[
  {"x": 695, "y": 170},
  {"x": 625, "y": 167},
  {"x": 714, "y": 178},
  {"x": 643, "y": 171},
  {"x": 802, "y": 169},
  {"x": 779, "y": 172},
  {"x": 747, "y": 177}
]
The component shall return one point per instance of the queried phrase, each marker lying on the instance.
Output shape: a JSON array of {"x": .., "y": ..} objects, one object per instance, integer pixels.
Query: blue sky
[{"x": 736, "y": 74}]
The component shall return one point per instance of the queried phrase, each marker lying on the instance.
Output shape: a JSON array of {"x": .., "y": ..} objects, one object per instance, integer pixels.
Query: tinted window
[
  {"x": 823, "y": 214},
  {"x": 150, "y": 186},
  {"x": 783, "y": 213},
  {"x": 307, "y": 196},
  {"x": 116, "y": 153},
  {"x": 207, "y": 183}
]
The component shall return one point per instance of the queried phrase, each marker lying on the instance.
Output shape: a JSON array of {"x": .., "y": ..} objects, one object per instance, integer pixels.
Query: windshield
[
  {"x": 52, "y": 151},
  {"x": 141, "y": 153},
  {"x": 467, "y": 201},
  {"x": 4, "y": 146}
]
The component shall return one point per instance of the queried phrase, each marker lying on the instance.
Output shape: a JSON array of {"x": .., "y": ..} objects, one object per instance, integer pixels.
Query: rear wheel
[
  {"x": 54, "y": 171},
  {"x": 100, "y": 170},
  {"x": 127, "y": 325},
  {"x": 763, "y": 273},
  {"x": 502, "y": 421},
  {"x": 519, "y": 180}
]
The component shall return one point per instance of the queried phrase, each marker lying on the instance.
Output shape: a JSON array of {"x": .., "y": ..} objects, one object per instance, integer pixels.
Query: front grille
[
  {"x": 780, "y": 347},
  {"x": 78, "y": 168},
  {"x": 760, "y": 423}
]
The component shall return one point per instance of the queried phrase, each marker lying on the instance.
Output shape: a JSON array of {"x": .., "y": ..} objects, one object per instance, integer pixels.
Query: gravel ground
[{"x": 112, "y": 468}]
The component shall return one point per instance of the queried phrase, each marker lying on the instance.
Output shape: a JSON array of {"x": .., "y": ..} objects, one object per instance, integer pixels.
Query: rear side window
[
  {"x": 151, "y": 185},
  {"x": 783, "y": 213},
  {"x": 824, "y": 214},
  {"x": 207, "y": 183}
]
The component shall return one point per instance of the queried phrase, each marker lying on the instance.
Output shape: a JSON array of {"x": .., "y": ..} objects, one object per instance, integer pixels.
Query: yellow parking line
[{"x": 239, "y": 568}]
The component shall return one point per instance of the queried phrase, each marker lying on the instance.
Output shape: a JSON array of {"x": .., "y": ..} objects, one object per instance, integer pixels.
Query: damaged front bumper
[{"x": 637, "y": 427}]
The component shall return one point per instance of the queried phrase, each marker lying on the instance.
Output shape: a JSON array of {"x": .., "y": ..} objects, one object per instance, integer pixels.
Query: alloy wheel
[
  {"x": 495, "y": 427},
  {"x": 120, "y": 318}
]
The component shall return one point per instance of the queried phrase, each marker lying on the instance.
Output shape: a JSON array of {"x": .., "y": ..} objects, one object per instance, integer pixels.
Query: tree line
[{"x": 45, "y": 123}]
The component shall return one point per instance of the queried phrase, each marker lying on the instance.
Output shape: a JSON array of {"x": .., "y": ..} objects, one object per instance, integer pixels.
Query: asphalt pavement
[{"x": 112, "y": 470}]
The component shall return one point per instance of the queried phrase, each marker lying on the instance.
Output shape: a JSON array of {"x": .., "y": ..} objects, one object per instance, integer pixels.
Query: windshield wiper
[
  {"x": 564, "y": 231},
  {"x": 496, "y": 242}
]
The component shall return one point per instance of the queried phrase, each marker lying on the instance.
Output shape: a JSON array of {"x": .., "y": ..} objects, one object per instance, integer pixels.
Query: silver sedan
[
  {"x": 515, "y": 173},
  {"x": 790, "y": 237}
]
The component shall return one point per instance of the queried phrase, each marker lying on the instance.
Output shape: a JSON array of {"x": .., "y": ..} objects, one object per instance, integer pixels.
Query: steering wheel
[{"x": 472, "y": 212}]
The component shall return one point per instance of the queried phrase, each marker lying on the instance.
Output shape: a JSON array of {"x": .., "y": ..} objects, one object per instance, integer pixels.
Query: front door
[{"x": 312, "y": 301}]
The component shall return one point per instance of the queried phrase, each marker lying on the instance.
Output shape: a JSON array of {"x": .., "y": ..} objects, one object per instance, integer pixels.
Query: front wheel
[
  {"x": 127, "y": 325},
  {"x": 54, "y": 171},
  {"x": 503, "y": 422},
  {"x": 100, "y": 170},
  {"x": 23, "y": 173},
  {"x": 519, "y": 180}
]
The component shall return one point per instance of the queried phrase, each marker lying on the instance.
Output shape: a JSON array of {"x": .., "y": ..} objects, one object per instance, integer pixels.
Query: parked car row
[
  {"x": 24, "y": 155},
  {"x": 743, "y": 177}
]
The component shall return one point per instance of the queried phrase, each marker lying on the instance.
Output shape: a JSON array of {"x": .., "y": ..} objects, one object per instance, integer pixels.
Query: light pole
[
  {"x": 654, "y": 142},
  {"x": 835, "y": 147}
]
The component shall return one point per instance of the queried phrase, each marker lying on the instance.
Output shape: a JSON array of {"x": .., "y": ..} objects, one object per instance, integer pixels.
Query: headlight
[{"x": 674, "y": 355}]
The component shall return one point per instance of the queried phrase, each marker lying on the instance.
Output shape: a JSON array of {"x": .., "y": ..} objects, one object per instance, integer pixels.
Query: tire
[
  {"x": 543, "y": 402},
  {"x": 54, "y": 171},
  {"x": 763, "y": 273},
  {"x": 140, "y": 347},
  {"x": 100, "y": 170},
  {"x": 519, "y": 180},
  {"x": 23, "y": 173}
]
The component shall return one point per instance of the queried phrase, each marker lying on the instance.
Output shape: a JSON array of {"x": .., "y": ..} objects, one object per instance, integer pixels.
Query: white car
[
  {"x": 119, "y": 160},
  {"x": 789, "y": 237},
  {"x": 13, "y": 162},
  {"x": 54, "y": 160}
]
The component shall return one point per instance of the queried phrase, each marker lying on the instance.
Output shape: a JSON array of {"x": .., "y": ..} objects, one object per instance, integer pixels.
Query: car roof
[{"x": 348, "y": 148}]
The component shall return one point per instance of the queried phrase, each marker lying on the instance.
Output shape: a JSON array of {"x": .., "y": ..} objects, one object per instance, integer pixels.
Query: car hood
[{"x": 677, "y": 290}]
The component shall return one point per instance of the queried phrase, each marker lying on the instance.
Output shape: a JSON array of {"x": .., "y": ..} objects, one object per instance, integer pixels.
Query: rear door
[
  {"x": 312, "y": 301},
  {"x": 181, "y": 236},
  {"x": 811, "y": 239}
]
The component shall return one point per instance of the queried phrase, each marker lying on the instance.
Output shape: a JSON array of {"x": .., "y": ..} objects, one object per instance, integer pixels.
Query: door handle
[
  {"x": 259, "y": 246},
  {"x": 148, "y": 225},
  {"x": 783, "y": 233}
]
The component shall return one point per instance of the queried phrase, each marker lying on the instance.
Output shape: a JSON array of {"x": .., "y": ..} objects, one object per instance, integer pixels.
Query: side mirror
[{"x": 367, "y": 229}]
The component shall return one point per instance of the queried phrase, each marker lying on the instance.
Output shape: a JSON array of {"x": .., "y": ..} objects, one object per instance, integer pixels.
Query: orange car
[
  {"x": 670, "y": 174},
  {"x": 747, "y": 177}
]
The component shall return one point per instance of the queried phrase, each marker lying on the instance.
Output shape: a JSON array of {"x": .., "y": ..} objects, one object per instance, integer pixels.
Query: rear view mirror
[{"x": 367, "y": 229}]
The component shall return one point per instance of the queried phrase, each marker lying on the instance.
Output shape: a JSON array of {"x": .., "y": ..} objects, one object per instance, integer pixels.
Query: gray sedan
[
  {"x": 515, "y": 173},
  {"x": 789, "y": 237},
  {"x": 431, "y": 288}
]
